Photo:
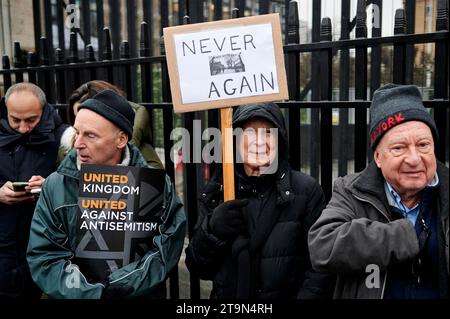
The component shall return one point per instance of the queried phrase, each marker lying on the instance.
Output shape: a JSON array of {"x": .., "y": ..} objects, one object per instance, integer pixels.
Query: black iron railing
[{"x": 144, "y": 77}]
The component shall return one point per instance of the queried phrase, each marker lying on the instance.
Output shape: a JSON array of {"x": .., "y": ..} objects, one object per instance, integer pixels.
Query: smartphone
[{"x": 19, "y": 186}]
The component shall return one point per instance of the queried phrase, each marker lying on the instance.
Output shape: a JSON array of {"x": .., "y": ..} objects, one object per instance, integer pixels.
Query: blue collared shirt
[{"x": 395, "y": 200}]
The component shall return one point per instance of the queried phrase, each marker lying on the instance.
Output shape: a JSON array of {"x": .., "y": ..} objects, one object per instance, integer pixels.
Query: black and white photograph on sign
[
  {"x": 227, "y": 63},
  {"x": 119, "y": 214},
  {"x": 233, "y": 62}
]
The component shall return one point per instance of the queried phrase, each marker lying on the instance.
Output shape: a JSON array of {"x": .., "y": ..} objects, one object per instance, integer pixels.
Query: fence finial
[
  {"x": 361, "y": 18},
  {"x": 144, "y": 43},
  {"x": 293, "y": 23},
  {"x": 400, "y": 22},
  {"x": 124, "y": 50},
  {"x": 73, "y": 48},
  {"x": 442, "y": 15},
  {"x": 43, "y": 52},
  {"x": 325, "y": 29},
  {"x": 162, "y": 49},
  {"x": 17, "y": 55},
  {"x": 59, "y": 56},
  {"x": 89, "y": 53},
  {"x": 5, "y": 62},
  {"x": 32, "y": 59},
  {"x": 235, "y": 13},
  {"x": 7, "y": 82},
  {"x": 107, "y": 51}
]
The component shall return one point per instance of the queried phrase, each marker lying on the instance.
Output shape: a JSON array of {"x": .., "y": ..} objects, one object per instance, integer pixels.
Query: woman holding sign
[{"x": 256, "y": 246}]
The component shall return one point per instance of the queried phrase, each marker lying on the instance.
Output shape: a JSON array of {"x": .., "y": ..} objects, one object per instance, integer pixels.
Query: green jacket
[
  {"x": 53, "y": 240},
  {"x": 142, "y": 136}
]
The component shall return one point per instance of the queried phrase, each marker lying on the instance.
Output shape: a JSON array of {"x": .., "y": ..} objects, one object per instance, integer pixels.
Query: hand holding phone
[{"x": 13, "y": 194}]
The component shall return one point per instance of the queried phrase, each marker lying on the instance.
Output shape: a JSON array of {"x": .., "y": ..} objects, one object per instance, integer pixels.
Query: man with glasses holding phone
[
  {"x": 30, "y": 132},
  {"x": 385, "y": 230}
]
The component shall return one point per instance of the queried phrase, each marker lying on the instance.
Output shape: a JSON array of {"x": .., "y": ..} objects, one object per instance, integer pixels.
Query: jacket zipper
[
  {"x": 368, "y": 201},
  {"x": 382, "y": 213}
]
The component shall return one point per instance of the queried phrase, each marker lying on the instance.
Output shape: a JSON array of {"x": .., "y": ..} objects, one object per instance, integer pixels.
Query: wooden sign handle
[{"x": 226, "y": 120}]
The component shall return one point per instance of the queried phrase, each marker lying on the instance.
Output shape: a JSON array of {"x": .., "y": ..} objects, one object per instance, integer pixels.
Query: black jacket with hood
[
  {"x": 271, "y": 260},
  {"x": 22, "y": 156}
]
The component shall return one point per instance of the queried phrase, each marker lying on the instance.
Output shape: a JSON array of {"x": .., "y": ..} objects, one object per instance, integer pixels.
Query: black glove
[
  {"x": 116, "y": 292},
  {"x": 227, "y": 221}
]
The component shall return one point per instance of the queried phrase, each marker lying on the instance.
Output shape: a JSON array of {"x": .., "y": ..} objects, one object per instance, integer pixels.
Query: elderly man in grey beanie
[
  {"x": 104, "y": 125},
  {"x": 385, "y": 231}
]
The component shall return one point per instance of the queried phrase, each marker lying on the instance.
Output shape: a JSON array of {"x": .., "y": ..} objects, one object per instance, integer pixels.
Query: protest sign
[
  {"x": 225, "y": 63},
  {"x": 222, "y": 64},
  {"x": 119, "y": 213}
]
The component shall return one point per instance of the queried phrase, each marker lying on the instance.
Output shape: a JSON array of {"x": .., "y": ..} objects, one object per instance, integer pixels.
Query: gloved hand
[
  {"x": 116, "y": 291},
  {"x": 227, "y": 221}
]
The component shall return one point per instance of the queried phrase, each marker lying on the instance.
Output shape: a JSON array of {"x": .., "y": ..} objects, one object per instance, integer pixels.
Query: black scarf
[{"x": 41, "y": 134}]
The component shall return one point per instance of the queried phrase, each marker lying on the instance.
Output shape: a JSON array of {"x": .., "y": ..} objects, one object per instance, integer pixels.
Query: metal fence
[{"x": 330, "y": 146}]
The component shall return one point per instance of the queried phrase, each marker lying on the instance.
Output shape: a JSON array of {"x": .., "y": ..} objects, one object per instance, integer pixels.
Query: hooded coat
[
  {"x": 271, "y": 259},
  {"x": 22, "y": 156}
]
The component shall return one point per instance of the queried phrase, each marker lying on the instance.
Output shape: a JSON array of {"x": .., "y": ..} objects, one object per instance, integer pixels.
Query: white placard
[
  {"x": 229, "y": 63},
  {"x": 226, "y": 63}
]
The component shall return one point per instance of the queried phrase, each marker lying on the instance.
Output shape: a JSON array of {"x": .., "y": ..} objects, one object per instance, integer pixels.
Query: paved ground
[{"x": 183, "y": 275}]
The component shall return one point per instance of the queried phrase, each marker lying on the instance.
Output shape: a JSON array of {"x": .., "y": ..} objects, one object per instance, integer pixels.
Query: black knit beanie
[
  {"x": 395, "y": 104},
  {"x": 114, "y": 108}
]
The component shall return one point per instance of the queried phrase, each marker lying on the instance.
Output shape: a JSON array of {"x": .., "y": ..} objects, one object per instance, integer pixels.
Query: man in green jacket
[{"x": 103, "y": 127}]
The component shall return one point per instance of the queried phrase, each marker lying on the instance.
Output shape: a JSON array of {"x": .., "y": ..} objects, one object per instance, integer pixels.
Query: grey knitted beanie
[{"x": 394, "y": 104}]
